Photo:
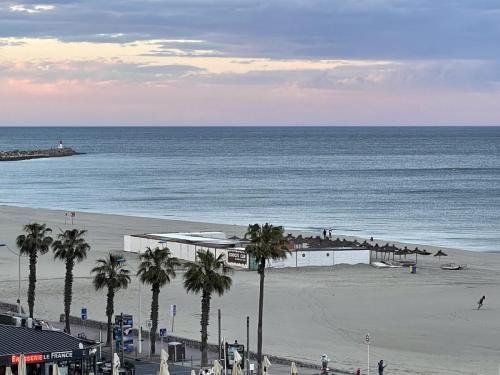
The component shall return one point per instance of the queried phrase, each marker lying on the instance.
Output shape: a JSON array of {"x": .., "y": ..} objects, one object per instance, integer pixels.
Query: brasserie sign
[{"x": 49, "y": 356}]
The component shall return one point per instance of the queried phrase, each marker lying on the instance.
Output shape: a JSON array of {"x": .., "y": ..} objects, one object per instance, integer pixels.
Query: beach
[{"x": 423, "y": 323}]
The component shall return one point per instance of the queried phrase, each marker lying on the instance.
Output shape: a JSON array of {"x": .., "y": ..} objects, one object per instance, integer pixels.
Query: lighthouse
[{"x": 60, "y": 147}]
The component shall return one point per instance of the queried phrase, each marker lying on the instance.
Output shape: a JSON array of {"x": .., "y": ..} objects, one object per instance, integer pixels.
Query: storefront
[{"x": 42, "y": 349}]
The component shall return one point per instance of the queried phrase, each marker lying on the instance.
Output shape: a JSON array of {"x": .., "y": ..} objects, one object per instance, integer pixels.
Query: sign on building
[{"x": 239, "y": 257}]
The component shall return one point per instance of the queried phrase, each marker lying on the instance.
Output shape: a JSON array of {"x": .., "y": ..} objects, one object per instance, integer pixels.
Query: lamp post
[
  {"x": 367, "y": 339},
  {"x": 19, "y": 276}
]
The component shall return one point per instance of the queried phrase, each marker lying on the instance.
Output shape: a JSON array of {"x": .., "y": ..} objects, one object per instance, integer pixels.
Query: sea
[{"x": 427, "y": 185}]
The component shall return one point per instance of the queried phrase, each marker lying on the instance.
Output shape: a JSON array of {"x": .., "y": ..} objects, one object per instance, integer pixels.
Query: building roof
[
  {"x": 17, "y": 340},
  {"x": 205, "y": 239},
  {"x": 335, "y": 249}
]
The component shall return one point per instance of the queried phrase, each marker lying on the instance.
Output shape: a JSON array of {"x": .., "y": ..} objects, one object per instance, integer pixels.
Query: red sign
[{"x": 29, "y": 358}]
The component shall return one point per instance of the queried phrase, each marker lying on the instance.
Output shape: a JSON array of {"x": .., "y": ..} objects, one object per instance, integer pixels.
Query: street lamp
[{"x": 19, "y": 276}]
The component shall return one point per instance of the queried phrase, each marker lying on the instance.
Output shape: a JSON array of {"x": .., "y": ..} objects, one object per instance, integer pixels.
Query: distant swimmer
[{"x": 480, "y": 302}]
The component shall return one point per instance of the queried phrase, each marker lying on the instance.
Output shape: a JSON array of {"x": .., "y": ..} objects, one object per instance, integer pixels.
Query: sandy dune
[{"x": 419, "y": 324}]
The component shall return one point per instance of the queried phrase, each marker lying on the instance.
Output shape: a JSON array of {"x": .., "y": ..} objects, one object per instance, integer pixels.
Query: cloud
[
  {"x": 342, "y": 29},
  {"x": 37, "y": 8},
  {"x": 94, "y": 72},
  {"x": 298, "y": 55}
]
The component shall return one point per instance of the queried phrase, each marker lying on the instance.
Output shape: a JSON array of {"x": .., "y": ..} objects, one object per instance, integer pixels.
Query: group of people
[
  {"x": 329, "y": 233},
  {"x": 381, "y": 367},
  {"x": 324, "y": 366}
]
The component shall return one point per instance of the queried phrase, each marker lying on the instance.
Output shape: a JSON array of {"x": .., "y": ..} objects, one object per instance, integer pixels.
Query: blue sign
[
  {"x": 127, "y": 322},
  {"x": 84, "y": 313},
  {"x": 163, "y": 332}
]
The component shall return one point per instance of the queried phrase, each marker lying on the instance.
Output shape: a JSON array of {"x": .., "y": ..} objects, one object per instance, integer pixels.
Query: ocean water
[{"x": 429, "y": 185}]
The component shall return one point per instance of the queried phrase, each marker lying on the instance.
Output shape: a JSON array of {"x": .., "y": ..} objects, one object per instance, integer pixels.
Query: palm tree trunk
[
  {"x": 68, "y": 288},
  {"x": 205, "y": 313},
  {"x": 109, "y": 314},
  {"x": 154, "y": 317},
  {"x": 32, "y": 283},
  {"x": 262, "y": 267}
]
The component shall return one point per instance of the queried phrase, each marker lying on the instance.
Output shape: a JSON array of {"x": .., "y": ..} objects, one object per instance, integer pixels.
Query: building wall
[
  {"x": 138, "y": 245},
  {"x": 352, "y": 257},
  {"x": 328, "y": 257},
  {"x": 185, "y": 251}
]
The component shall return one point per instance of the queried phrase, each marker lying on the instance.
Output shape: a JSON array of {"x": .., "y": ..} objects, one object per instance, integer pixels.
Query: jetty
[{"x": 37, "y": 154}]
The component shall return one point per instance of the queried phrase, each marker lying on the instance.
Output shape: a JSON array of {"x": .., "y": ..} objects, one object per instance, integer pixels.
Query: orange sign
[{"x": 30, "y": 358}]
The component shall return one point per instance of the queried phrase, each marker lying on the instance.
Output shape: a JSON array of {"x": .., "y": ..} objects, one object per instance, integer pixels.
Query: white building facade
[
  {"x": 322, "y": 257},
  {"x": 185, "y": 246}
]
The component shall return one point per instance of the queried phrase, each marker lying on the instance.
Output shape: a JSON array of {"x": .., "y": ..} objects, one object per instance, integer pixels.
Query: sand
[{"x": 426, "y": 323}]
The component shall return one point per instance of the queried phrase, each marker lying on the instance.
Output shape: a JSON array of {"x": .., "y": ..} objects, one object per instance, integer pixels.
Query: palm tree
[
  {"x": 266, "y": 242},
  {"x": 35, "y": 241},
  {"x": 157, "y": 267},
  {"x": 110, "y": 273},
  {"x": 208, "y": 275},
  {"x": 70, "y": 247}
]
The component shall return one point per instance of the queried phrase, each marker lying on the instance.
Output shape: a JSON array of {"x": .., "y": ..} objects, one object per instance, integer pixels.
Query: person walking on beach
[
  {"x": 330, "y": 233},
  {"x": 381, "y": 367},
  {"x": 480, "y": 302},
  {"x": 324, "y": 233}
]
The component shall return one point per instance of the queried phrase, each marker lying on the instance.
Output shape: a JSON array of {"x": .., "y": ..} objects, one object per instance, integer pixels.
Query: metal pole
[
  {"x": 248, "y": 345},
  {"x": 140, "y": 320},
  {"x": 112, "y": 347},
  {"x": 19, "y": 286},
  {"x": 123, "y": 340},
  {"x": 218, "y": 316},
  {"x": 150, "y": 342},
  {"x": 225, "y": 356},
  {"x": 368, "y": 358},
  {"x": 100, "y": 345}
]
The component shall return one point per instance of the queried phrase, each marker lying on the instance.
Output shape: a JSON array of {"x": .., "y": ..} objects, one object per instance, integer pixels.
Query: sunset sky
[{"x": 250, "y": 62}]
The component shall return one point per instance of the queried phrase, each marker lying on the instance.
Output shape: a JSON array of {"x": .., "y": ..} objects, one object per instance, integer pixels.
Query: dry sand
[{"x": 425, "y": 323}]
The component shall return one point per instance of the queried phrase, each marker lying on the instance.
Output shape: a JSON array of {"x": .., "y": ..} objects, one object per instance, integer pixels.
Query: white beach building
[{"x": 185, "y": 246}]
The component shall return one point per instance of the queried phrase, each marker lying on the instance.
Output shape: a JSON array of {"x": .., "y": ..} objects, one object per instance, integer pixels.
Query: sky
[{"x": 250, "y": 62}]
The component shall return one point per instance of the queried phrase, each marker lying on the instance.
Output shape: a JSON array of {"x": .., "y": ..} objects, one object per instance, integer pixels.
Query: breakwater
[{"x": 37, "y": 154}]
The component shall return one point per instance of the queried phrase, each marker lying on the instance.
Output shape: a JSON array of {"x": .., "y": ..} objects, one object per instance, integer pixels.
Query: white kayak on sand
[
  {"x": 453, "y": 267},
  {"x": 384, "y": 265}
]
